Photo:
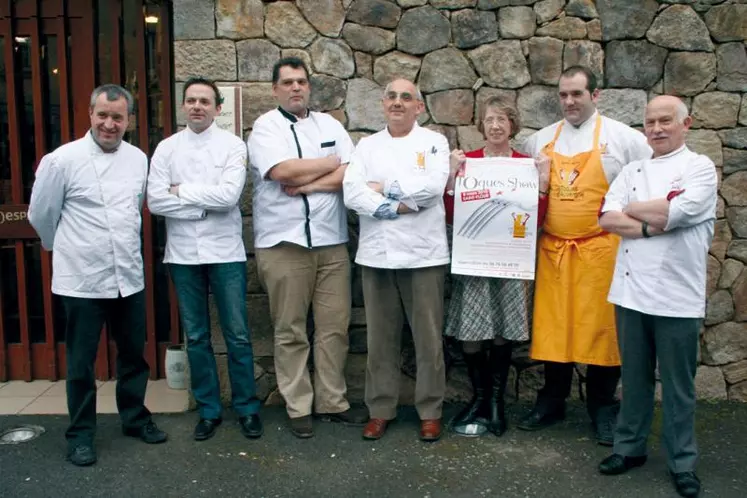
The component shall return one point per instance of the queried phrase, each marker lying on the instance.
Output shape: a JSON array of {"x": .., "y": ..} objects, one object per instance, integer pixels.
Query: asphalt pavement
[{"x": 557, "y": 462}]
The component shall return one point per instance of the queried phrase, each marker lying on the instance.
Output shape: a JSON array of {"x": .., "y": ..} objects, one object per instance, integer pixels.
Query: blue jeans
[{"x": 228, "y": 284}]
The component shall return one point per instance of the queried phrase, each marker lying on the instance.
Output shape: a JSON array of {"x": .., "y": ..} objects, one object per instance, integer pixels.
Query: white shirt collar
[
  {"x": 589, "y": 122},
  {"x": 389, "y": 135},
  {"x": 96, "y": 148},
  {"x": 206, "y": 134},
  {"x": 671, "y": 154}
]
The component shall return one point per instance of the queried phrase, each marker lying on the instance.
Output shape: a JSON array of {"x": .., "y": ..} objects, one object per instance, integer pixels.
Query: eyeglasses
[
  {"x": 492, "y": 121},
  {"x": 403, "y": 96}
]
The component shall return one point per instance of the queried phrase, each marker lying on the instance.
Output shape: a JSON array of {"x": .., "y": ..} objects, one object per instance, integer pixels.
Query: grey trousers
[
  {"x": 421, "y": 292},
  {"x": 643, "y": 340}
]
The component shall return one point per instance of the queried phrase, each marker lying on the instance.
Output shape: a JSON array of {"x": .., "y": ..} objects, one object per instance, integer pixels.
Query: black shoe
[
  {"x": 687, "y": 483},
  {"x": 355, "y": 415},
  {"x": 205, "y": 428},
  {"x": 82, "y": 455},
  {"x": 541, "y": 417},
  {"x": 301, "y": 427},
  {"x": 617, "y": 464},
  {"x": 604, "y": 425},
  {"x": 148, "y": 433},
  {"x": 251, "y": 426}
]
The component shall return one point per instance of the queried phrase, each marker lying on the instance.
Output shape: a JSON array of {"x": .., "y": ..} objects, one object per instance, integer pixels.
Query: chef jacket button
[
  {"x": 627, "y": 273},
  {"x": 639, "y": 170},
  {"x": 626, "y": 251},
  {"x": 633, "y": 189}
]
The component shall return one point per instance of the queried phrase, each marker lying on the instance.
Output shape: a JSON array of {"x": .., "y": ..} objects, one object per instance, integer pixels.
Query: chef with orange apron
[{"x": 573, "y": 322}]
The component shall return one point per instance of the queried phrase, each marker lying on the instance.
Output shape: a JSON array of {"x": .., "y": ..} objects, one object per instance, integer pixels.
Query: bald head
[
  {"x": 672, "y": 102},
  {"x": 402, "y": 103},
  {"x": 666, "y": 124}
]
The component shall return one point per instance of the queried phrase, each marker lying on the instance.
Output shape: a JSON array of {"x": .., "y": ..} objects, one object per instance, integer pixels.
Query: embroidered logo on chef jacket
[
  {"x": 421, "y": 161},
  {"x": 676, "y": 183}
]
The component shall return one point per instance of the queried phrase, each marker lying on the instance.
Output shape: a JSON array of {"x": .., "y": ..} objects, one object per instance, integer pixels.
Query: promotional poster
[{"x": 495, "y": 218}]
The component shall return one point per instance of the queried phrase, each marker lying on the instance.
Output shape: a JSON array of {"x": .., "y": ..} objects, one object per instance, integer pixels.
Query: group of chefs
[{"x": 626, "y": 221}]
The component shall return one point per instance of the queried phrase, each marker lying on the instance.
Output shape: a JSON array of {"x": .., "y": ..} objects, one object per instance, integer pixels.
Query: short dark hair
[
  {"x": 293, "y": 62},
  {"x": 203, "y": 81},
  {"x": 591, "y": 79}
]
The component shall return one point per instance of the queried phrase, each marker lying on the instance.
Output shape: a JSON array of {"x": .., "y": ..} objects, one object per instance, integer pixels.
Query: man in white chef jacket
[
  {"x": 572, "y": 321},
  {"x": 664, "y": 208},
  {"x": 298, "y": 158},
  {"x": 395, "y": 182},
  {"x": 195, "y": 182},
  {"x": 85, "y": 206}
]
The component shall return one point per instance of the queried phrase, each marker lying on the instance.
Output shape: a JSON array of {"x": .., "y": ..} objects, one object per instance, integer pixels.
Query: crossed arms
[
  {"x": 191, "y": 200},
  {"x": 271, "y": 156},
  {"x": 306, "y": 176},
  {"x": 628, "y": 223},
  {"x": 405, "y": 193},
  {"x": 689, "y": 205}
]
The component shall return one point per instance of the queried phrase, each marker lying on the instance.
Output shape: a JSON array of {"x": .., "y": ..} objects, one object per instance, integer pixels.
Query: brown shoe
[
  {"x": 430, "y": 430},
  {"x": 301, "y": 427},
  {"x": 355, "y": 415},
  {"x": 375, "y": 428}
]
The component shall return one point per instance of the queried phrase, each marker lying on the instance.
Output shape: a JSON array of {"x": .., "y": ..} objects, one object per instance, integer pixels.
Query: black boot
[
  {"x": 550, "y": 406},
  {"x": 499, "y": 363},
  {"x": 478, "y": 376}
]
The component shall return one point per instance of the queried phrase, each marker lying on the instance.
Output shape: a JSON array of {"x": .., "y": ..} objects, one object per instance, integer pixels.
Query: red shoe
[
  {"x": 430, "y": 430},
  {"x": 375, "y": 428}
]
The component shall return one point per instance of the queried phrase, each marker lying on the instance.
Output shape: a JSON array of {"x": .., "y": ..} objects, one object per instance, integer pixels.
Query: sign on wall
[
  {"x": 230, "y": 118},
  {"x": 14, "y": 223}
]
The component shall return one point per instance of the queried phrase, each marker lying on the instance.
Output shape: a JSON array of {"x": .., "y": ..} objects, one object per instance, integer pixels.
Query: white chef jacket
[
  {"x": 203, "y": 224},
  {"x": 313, "y": 220},
  {"x": 414, "y": 169},
  {"x": 85, "y": 205},
  {"x": 620, "y": 143},
  {"x": 665, "y": 275}
]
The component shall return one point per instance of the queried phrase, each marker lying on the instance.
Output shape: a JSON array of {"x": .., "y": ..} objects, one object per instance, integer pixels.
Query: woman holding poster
[{"x": 488, "y": 314}]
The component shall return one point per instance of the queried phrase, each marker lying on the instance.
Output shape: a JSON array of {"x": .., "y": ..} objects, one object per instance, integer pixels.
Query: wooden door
[{"x": 53, "y": 53}]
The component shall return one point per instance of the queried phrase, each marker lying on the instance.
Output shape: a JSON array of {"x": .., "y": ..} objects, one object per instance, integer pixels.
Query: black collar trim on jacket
[{"x": 291, "y": 117}]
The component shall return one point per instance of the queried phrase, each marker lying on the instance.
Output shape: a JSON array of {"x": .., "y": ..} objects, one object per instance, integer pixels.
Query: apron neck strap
[{"x": 597, "y": 133}]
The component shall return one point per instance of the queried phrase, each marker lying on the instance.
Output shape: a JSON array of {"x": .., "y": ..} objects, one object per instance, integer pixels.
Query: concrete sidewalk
[{"x": 558, "y": 462}]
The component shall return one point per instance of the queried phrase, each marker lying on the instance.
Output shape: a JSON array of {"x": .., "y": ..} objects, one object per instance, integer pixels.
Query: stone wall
[{"x": 463, "y": 51}]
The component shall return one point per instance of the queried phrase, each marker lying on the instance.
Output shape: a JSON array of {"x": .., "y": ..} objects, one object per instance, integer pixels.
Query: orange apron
[{"x": 573, "y": 322}]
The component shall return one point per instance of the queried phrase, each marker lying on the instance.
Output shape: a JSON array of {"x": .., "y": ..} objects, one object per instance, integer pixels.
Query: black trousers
[
  {"x": 125, "y": 318},
  {"x": 601, "y": 385}
]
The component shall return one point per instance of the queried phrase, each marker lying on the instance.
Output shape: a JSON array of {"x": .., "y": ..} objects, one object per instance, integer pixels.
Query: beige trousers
[
  {"x": 421, "y": 293},
  {"x": 295, "y": 278}
]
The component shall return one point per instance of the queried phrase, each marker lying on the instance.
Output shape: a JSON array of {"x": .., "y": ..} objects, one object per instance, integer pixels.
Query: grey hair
[
  {"x": 113, "y": 92},
  {"x": 681, "y": 112},
  {"x": 418, "y": 94}
]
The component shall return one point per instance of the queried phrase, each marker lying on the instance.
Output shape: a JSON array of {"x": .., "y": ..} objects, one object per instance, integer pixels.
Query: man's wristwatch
[{"x": 644, "y": 229}]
